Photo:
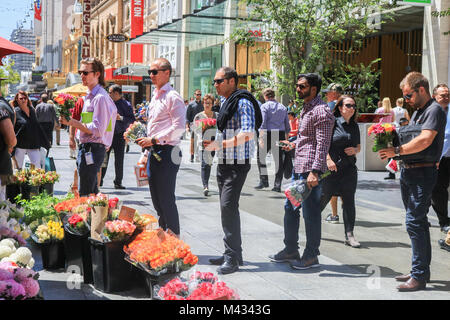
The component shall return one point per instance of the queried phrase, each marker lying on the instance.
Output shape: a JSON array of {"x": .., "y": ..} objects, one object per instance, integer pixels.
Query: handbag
[{"x": 50, "y": 164}]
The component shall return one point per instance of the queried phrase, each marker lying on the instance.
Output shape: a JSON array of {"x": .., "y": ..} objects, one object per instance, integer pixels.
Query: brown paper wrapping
[{"x": 98, "y": 220}]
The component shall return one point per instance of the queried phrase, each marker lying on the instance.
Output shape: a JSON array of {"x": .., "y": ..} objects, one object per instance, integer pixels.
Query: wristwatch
[
  {"x": 397, "y": 151},
  {"x": 153, "y": 141}
]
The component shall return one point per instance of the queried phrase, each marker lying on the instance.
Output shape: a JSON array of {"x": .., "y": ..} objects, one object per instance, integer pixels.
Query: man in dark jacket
[
  {"x": 46, "y": 115},
  {"x": 193, "y": 108},
  {"x": 125, "y": 117}
]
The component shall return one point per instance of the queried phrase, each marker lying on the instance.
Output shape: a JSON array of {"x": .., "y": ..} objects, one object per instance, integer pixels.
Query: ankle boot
[{"x": 351, "y": 240}]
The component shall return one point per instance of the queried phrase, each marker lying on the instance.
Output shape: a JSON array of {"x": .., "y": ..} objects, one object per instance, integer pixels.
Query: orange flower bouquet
[
  {"x": 384, "y": 135},
  {"x": 159, "y": 252}
]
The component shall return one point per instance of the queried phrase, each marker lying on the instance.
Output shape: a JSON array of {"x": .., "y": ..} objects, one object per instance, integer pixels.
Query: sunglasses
[
  {"x": 409, "y": 95},
  {"x": 350, "y": 105},
  {"x": 85, "y": 73},
  {"x": 155, "y": 71},
  {"x": 198, "y": 94},
  {"x": 22, "y": 98},
  {"x": 218, "y": 81},
  {"x": 301, "y": 86}
]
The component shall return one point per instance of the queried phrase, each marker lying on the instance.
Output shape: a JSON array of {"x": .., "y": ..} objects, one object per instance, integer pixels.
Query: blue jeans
[
  {"x": 416, "y": 186},
  {"x": 312, "y": 218},
  {"x": 88, "y": 173}
]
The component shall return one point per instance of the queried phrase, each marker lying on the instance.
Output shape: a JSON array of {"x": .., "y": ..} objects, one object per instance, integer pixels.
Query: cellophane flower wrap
[
  {"x": 383, "y": 133},
  {"x": 65, "y": 103},
  {"x": 298, "y": 191},
  {"x": 206, "y": 123},
  {"x": 160, "y": 251},
  {"x": 144, "y": 221},
  {"x": 47, "y": 229},
  {"x": 135, "y": 131},
  {"x": 17, "y": 283},
  {"x": 77, "y": 224},
  {"x": 118, "y": 230},
  {"x": 200, "y": 286}
]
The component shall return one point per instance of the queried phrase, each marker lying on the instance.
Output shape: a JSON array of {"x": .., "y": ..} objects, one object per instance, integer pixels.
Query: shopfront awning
[{"x": 209, "y": 23}]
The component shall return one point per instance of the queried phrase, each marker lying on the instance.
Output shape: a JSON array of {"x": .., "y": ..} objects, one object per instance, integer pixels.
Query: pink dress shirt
[
  {"x": 104, "y": 110},
  {"x": 166, "y": 116}
]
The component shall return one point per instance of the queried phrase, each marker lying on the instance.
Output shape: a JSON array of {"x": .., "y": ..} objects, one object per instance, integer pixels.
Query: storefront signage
[
  {"x": 416, "y": 2},
  {"x": 137, "y": 29},
  {"x": 85, "y": 45},
  {"x": 130, "y": 88},
  {"x": 38, "y": 10},
  {"x": 117, "y": 37},
  {"x": 259, "y": 33}
]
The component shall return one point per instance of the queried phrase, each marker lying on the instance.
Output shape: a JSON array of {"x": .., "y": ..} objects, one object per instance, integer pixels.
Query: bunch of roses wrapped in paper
[
  {"x": 159, "y": 250},
  {"x": 118, "y": 230},
  {"x": 200, "y": 286}
]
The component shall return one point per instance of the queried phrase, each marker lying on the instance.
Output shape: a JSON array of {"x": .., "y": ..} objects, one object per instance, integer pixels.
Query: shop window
[{"x": 203, "y": 65}]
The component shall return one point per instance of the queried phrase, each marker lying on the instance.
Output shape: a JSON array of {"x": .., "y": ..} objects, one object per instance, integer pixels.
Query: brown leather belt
[{"x": 419, "y": 165}]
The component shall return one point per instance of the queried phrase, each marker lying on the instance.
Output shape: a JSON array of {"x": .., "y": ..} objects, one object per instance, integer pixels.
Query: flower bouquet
[
  {"x": 135, "y": 131},
  {"x": 384, "y": 135},
  {"x": 77, "y": 225},
  {"x": 206, "y": 123},
  {"x": 17, "y": 283},
  {"x": 9, "y": 252},
  {"x": 118, "y": 230},
  {"x": 298, "y": 191},
  {"x": 47, "y": 230},
  {"x": 159, "y": 252},
  {"x": 65, "y": 103},
  {"x": 145, "y": 221},
  {"x": 99, "y": 214},
  {"x": 200, "y": 286},
  {"x": 68, "y": 205}
]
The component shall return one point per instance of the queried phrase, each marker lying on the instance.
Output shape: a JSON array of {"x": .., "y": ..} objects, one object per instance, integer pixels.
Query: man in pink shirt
[
  {"x": 165, "y": 126},
  {"x": 96, "y": 131}
]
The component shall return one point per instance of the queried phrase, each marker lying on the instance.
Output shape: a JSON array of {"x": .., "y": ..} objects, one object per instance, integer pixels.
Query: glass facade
[{"x": 203, "y": 65}]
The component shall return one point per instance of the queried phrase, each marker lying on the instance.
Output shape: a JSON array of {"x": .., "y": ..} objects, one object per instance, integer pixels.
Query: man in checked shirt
[{"x": 311, "y": 147}]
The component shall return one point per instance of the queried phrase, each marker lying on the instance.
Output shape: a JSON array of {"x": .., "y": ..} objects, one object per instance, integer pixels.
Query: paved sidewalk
[{"x": 259, "y": 278}]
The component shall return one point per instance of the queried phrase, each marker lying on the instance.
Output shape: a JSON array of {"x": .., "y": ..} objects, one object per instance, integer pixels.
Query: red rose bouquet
[
  {"x": 76, "y": 224},
  {"x": 206, "y": 123},
  {"x": 384, "y": 135},
  {"x": 65, "y": 103}
]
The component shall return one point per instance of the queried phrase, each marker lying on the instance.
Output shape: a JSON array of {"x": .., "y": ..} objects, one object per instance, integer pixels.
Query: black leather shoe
[
  {"x": 119, "y": 186},
  {"x": 443, "y": 245},
  {"x": 227, "y": 268},
  {"x": 220, "y": 260},
  {"x": 262, "y": 185},
  {"x": 276, "y": 189}
]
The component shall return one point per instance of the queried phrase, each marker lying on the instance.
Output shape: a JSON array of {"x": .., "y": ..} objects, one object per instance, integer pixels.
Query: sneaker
[
  {"x": 445, "y": 228},
  {"x": 332, "y": 219},
  {"x": 303, "y": 264},
  {"x": 284, "y": 256}
]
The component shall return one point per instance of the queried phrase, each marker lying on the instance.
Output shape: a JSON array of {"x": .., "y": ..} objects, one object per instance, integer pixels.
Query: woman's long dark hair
[
  {"x": 340, "y": 103},
  {"x": 16, "y": 98}
]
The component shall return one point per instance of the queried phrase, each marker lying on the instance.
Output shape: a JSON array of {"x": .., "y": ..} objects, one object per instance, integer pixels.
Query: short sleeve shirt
[
  {"x": 344, "y": 135},
  {"x": 432, "y": 117}
]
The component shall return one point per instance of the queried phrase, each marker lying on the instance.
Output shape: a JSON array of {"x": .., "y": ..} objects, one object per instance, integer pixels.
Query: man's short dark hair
[
  {"x": 44, "y": 97},
  {"x": 291, "y": 113},
  {"x": 116, "y": 88},
  {"x": 230, "y": 73},
  {"x": 440, "y": 85},
  {"x": 415, "y": 80},
  {"x": 313, "y": 79}
]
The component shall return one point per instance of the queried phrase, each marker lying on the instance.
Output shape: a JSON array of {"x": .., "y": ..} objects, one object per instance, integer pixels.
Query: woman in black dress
[{"x": 341, "y": 161}]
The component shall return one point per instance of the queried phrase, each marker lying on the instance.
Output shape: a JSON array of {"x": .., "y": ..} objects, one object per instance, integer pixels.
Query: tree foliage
[
  {"x": 303, "y": 32},
  {"x": 7, "y": 72}
]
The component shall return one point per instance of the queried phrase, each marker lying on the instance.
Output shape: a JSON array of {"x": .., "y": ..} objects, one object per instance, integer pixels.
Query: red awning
[{"x": 7, "y": 47}]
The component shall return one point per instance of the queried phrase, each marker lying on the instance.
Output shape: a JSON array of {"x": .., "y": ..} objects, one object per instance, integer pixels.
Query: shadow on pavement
[
  {"x": 372, "y": 224},
  {"x": 375, "y": 185}
]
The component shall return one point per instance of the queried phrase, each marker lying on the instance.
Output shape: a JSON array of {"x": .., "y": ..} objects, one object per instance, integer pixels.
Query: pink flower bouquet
[
  {"x": 118, "y": 230},
  {"x": 17, "y": 283},
  {"x": 65, "y": 103}
]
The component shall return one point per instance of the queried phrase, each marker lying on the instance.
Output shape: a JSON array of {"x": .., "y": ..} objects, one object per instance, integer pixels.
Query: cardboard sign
[{"x": 127, "y": 214}]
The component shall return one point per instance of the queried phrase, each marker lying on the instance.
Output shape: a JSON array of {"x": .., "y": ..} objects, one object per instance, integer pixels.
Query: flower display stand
[
  {"x": 28, "y": 191},
  {"x": 47, "y": 187},
  {"x": 78, "y": 253},
  {"x": 111, "y": 273},
  {"x": 53, "y": 255}
]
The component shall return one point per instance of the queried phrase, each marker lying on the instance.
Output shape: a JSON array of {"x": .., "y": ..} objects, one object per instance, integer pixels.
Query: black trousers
[
  {"x": 439, "y": 197},
  {"x": 48, "y": 130},
  {"x": 118, "y": 145},
  {"x": 88, "y": 173},
  {"x": 342, "y": 183},
  {"x": 270, "y": 140},
  {"x": 162, "y": 176},
  {"x": 231, "y": 179}
]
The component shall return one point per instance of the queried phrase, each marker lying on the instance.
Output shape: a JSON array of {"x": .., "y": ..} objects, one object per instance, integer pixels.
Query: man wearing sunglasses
[
  {"x": 165, "y": 126},
  {"x": 192, "y": 110},
  {"x": 419, "y": 174},
  {"x": 239, "y": 117},
  {"x": 96, "y": 132},
  {"x": 311, "y": 148}
]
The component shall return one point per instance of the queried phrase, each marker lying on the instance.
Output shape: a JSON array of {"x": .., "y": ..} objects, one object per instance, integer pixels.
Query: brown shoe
[
  {"x": 406, "y": 277},
  {"x": 411, "y": 285}
]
